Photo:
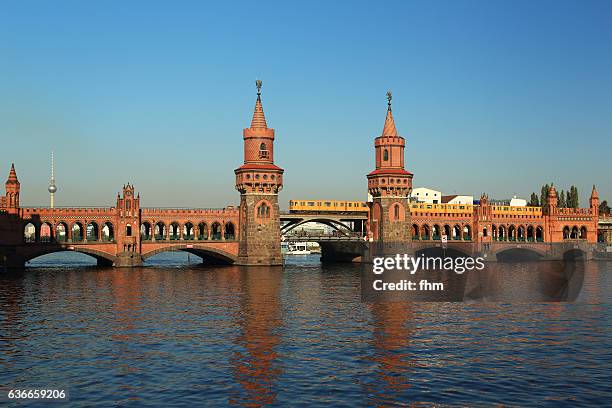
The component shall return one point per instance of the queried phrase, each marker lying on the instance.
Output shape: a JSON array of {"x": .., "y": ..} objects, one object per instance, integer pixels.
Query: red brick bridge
[{"x": 126, "y": 234}]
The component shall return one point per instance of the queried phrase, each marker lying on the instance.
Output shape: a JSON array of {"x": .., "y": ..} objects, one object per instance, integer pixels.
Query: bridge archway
[
  {"x": 209, "y": 254},
  {"x": 518, "y": 255},
  {"x": 102, "y": 258},
  {"x": 337, "y": 226}
]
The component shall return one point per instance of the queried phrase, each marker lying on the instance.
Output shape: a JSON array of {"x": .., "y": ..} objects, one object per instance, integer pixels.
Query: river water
[{"x": 174, "y": 334}]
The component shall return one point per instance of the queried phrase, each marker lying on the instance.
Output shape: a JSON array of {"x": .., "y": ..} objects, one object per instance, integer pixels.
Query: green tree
[
  {"x": 562, "y": 200},
  {"x": 604, "y": 208},
  {"x": 572, "y": 199},
  {"x": 535, "y": 201},
  {"x": 544, "y": 195}
]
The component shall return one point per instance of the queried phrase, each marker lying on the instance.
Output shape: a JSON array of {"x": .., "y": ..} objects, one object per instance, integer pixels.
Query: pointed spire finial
[
  {"x": 12, "y": 174},
  {"x": 389, "y": 129},
  {"x": 259, "y": 119}
]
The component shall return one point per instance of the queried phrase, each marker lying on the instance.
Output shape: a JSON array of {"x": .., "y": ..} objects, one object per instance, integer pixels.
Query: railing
[{"x": 77, "y": 240}]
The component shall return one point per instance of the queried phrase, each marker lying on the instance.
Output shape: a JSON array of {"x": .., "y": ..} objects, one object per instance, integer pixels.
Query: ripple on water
[{"x": 177, "y": 334}]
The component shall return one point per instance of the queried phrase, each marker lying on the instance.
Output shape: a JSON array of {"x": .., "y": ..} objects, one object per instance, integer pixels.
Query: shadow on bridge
[{"x": 210, "y": 255}]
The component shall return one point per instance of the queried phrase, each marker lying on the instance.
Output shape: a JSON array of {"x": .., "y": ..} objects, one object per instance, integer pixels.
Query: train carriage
[{"x": 328, "y": 206}]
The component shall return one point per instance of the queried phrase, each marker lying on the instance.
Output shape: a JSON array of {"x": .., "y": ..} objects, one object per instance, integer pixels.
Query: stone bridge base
[{"x": 127, "y": 260}]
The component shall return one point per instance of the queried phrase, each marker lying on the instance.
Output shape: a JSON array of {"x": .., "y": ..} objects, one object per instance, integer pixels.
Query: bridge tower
[
  {"x": 127, "y": 235},
  {"x": 594, "y": 202},
  {"x": 259, "y": 180},
  {"x": 11, "y": 198},
  {"x": 390, "y": 185}
]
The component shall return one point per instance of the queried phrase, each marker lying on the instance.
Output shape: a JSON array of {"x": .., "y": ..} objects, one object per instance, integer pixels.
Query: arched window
[
  {"x": 92, "y": 231},
  {"x": 385, "y": 155},
  {"x": 263, "y": 211},
  {"x": 77, "y": 232},
  {"x": 574, "y": 234},
  {"x": 229, "y": 231},
  {"x": 108, "y": 233},
  {"x": 263, "y": 151},
  {"x": 396, "y": 211},
  {"x": 415, "y": 232},
  {"x": 29, "y": 232},
  {"x": 160, "y": 231},
  {"x": 46, "y": 232},
  {"x": 61, "y": 232},
  {"x": 146, "y": 231},
  {"x": 215, "y": 230},
  {"x": 128, "y": 230}
]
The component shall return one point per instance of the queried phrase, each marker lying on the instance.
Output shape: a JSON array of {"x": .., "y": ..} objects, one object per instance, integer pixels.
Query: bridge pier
[
  {"x": 126, "y": 260},
  {"x": 11, "y": 262},
  {"x": 342, "y": 251}
]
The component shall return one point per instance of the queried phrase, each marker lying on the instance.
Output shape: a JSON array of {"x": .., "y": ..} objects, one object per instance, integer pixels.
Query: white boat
[{"x": 297, "y": 248}]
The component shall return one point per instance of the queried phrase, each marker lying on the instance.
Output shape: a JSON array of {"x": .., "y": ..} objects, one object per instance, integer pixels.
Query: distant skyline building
[
  {"x": 52, "y": 186},
  {"x": 457, "y": 199},
  {"x": 426, "y": 195}
]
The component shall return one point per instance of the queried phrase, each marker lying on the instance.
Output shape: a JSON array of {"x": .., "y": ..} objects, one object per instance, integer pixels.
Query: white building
[
  {"x": 457, "y": 199},
  {"x": 518, "y": 202},
  {"x": 426, "y": 195}
]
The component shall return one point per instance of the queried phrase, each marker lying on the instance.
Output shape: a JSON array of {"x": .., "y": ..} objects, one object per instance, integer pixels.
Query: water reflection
[
  {"x": 393, "y": 328},
  {"x": 186, "y": 335},
  {"x": 255, "y": 364}
]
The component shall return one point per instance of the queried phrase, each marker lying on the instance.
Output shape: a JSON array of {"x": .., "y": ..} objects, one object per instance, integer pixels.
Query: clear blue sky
[{"x": 491, "y": 96}]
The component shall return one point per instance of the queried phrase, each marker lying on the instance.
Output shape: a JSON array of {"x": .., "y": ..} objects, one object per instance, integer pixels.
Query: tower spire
[
  {"x": 52, "y": 188},
  {"x": 259, "y": 119},
  {"x": 12, "y": 178},
  {"x": 389, "y": 128}
]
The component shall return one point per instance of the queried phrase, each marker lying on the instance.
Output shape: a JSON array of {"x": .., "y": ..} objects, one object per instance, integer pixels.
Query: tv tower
[{"x": 52, "y": 187}]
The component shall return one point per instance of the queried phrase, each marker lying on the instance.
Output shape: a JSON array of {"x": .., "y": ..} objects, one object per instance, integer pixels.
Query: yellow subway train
[{"x": 327, "y": 206}]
